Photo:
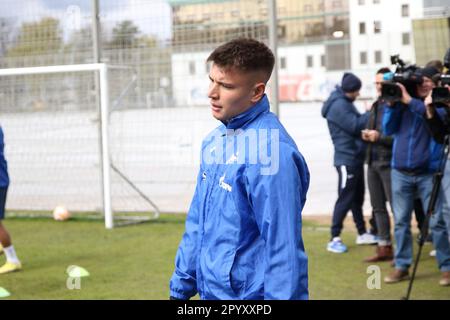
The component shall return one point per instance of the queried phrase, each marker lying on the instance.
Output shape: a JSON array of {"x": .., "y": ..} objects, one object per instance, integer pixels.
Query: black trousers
[{"x": 350, "y": 197}]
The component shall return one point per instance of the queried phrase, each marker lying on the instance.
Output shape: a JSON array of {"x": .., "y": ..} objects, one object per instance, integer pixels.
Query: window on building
[
  {"x": 361, "y": 2},
  {"x": 337, "y": 56},
  {"x": 192, "y": 68},
  {"x": 282, "y": 63},
  {"x": 376, "y": 1},
  {"x": 281, "y": 32},
  {"x": 405, "y": 10},
  {"x": 336, "y": 4},
  {"x": 362, "y": 28},
  {"x": 321, "y": 6},
  {"x": 307, "y": 8},
  {"x": 377, "y": 27},
  {"x": 235, "y": 13},
  {"x": 219, "y": 15},
  {"x": 406, "y": 38},
  {"x": 363, "y": 57},
  {"x": 309, "y": 61},
  {"x": 322, "y": 61},
  {"x": 378, "y": 57}
]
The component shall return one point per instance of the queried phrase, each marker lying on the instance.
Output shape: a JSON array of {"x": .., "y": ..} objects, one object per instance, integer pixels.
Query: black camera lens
[{"x": 391, "y": 92}]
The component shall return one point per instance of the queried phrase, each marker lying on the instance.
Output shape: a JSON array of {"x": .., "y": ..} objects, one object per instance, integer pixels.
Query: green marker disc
[
  {"x": 4, "y": 293},
  {"x": 77, "y": 272}
]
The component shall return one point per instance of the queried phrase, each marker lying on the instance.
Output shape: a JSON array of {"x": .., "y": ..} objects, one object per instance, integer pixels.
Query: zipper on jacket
[{"x": 410, "y": 144}]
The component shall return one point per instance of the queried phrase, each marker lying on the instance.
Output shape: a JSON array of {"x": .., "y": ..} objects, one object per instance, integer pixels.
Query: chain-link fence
[{"x": 157, "y": 116}]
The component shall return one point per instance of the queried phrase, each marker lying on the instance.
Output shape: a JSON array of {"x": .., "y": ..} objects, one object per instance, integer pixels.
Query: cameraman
[
  {"x": 378, "y": 159},
  {"x": 439, "y": 126},
  {"x": 415, "y": 158}
]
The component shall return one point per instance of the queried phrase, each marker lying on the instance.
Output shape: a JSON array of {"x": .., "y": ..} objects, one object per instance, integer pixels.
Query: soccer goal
[{"x": 59, "y": 147}]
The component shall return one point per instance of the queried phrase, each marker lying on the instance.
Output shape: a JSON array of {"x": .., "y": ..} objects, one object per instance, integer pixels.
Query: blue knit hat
[{"x": 350, "y": 82}]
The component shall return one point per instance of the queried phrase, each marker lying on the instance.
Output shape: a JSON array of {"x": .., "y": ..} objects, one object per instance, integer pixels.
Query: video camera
[
  {"x": 408, "y": 75},
  {"x": 441, "y": 94}
]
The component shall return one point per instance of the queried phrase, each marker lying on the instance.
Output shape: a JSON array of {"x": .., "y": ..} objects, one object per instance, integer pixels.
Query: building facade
[
  {"x": 317, "y": 40},
  {"x": 313, "y": 38}
]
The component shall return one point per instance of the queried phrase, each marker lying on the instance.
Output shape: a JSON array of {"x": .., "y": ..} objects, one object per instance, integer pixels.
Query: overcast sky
[{"x": 151, "y": 16}]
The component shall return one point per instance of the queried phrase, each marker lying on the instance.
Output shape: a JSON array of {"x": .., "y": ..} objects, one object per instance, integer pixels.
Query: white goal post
[{"x": 102, "y": 69}]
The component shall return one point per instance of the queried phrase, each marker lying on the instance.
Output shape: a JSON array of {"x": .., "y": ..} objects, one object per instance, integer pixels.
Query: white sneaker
[
  {"x": 366, "y": 238},
  {"x": 433, "y": 253},
  {"x": 336, "y": 246}
]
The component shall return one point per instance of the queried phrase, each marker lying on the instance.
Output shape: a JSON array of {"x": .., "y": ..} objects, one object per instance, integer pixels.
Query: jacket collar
[{"x": 240, "y": 120}]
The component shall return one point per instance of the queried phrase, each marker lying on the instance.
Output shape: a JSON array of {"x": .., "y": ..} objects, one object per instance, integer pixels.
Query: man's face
[
  {"x": 232, "y": 92},
  {"x": 378, "y": 82},
  {"x": 352, "y": 95},
  {"x": 425, "y": 88}
]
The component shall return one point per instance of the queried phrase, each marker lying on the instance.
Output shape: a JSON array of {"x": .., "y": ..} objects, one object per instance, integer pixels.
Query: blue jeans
[
  {"x": 446, "y": 192},
  {"x": 404, "y": 188}
]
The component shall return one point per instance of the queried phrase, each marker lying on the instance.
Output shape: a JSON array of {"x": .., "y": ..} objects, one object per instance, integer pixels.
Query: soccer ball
[{"x": 61, "y": 214}]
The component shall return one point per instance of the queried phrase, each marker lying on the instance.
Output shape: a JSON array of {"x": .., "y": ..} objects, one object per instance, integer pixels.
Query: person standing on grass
[
  {"x": 243, "y": 236},
  {"x": 345, "y": 124},
  {"x": 6, "y": 247},
  {"x": 415, "y": 160},
  {"x": 378, "y": 158}
]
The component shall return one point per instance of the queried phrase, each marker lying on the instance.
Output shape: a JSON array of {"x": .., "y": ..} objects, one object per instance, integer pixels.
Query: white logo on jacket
[{"x": 223, "y": 184}]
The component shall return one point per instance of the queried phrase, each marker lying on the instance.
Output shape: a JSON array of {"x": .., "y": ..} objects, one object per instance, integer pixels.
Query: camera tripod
[{"x": 431, "y": 206}]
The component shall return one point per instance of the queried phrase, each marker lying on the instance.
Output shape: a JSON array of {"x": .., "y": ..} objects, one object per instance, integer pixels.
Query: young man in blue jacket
[
  {"x": 12, "y": 262},
  {"x": 243, "y": 237},
  {"x": 345, "y": 124},
  {"x": 415, "y": 158}
]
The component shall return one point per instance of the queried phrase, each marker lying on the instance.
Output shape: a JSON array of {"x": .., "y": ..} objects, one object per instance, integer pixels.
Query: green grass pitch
[{"x": 136, "y": 262}]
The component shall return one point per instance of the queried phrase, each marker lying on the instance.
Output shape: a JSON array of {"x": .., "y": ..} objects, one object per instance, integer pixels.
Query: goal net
[{"x": 69, "y": 144}]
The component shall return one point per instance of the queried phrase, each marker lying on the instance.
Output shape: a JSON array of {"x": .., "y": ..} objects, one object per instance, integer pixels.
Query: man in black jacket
[{"x": 378, "y": 158}]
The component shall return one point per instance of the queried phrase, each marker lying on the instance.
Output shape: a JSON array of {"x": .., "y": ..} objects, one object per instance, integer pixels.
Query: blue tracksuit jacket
[
  {"x": 345, "y": 124},
  {"x": 243, "y": 237},
  {"x": 4, "y": 178},
  {"x": 414, "y": 148}
]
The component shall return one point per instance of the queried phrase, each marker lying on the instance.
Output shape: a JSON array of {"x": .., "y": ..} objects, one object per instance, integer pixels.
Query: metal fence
[{"x": 157, "y": 119}]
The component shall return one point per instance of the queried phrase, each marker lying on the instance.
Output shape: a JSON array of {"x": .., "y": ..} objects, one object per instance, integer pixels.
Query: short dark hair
[
  {"x": 245, "y": 55},
  {"x": 383, "y": 70},
  {"x": 437, "y": 64}
]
